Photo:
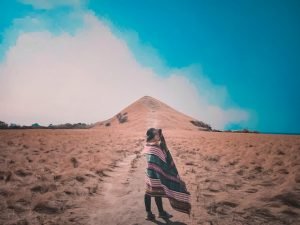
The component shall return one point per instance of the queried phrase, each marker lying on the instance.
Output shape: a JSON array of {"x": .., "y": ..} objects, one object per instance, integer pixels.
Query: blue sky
[{"x": 246, "y": 50}]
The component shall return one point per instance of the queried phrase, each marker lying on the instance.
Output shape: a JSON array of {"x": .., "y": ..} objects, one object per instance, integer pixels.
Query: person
[{"x": 162, "y": 178}]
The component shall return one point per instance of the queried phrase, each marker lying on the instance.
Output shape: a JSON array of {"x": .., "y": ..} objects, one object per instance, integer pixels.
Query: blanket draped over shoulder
[{"x": 162, "y": 178}]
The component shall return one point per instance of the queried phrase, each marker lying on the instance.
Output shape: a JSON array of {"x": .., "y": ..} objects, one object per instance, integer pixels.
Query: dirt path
[{"x": 122, "y": 197}]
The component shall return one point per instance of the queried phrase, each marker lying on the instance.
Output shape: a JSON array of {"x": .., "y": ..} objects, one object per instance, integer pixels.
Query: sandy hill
[{"x": 149, "y": 112}]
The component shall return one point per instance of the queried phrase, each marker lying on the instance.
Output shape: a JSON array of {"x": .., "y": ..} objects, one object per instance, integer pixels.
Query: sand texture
[{"x": 96, "y": 176}]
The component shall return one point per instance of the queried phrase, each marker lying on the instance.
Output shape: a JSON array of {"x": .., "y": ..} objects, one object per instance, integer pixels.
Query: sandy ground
[
  {"x": 49, "y": 173},
  {"x": 96, "y": 176}
]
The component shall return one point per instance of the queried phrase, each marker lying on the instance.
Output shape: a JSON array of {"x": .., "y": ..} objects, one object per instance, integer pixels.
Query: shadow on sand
[{"x": 170, "y": 222}]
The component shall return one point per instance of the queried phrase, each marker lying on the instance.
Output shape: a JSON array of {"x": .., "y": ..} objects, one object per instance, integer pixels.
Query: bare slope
[{"x": 149, "y": 112}]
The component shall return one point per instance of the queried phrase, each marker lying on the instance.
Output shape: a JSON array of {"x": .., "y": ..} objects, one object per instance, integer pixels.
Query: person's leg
[
  {"x": 162, "y": 213},
  {"x": 159, "y": 204},
  {"x": 150, "y": 215},
  {"x": 147, "y": 199}
]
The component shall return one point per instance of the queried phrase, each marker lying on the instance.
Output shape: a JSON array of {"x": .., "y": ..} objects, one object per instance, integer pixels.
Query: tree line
[{"x": 4, "y": 125}]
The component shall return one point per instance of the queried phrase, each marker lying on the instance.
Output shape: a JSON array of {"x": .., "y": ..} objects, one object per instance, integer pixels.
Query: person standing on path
[{"x": 162, "y": 178}]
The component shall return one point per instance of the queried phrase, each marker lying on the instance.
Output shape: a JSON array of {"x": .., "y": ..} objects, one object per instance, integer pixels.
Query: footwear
[
  {"x": 165, "y": 215},
  {"x": 150, "y": 216}
]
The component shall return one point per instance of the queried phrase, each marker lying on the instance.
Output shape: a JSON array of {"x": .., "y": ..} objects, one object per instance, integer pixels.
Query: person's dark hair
[
  {"x": 163, "y": 144},
  {"x": 150, "y": 134}
]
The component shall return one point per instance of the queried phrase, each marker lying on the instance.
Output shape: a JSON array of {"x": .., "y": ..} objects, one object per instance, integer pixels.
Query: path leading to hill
[{"x": 122, "y": 197}]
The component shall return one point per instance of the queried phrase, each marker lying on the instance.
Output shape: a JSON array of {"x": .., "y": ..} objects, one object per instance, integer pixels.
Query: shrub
[
  {"x": 3, "y": 125},
  {"x": 201, "y": 124},
  {"x": 122, "y": 117}
]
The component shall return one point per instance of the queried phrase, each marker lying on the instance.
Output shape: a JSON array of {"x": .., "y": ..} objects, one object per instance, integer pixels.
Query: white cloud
[
  {"x": 91, "y": 76},
  {"x": 50, "y": 4}
]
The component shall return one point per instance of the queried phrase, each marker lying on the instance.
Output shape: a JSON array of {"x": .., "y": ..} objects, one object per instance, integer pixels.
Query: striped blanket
[{"x": 162, "y": 178}]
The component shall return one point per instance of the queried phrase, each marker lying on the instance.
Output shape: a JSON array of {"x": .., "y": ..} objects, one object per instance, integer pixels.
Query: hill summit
[{"x": 149, "y": 112}]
